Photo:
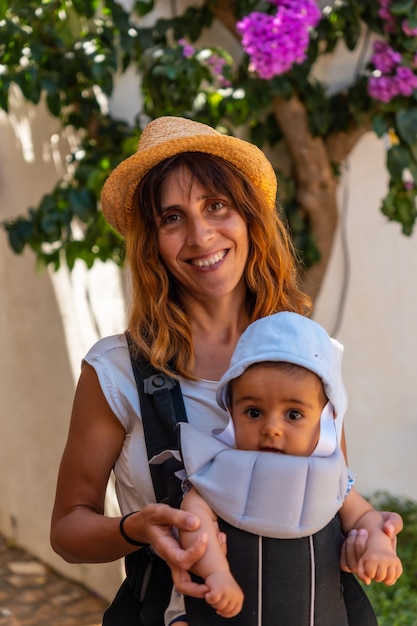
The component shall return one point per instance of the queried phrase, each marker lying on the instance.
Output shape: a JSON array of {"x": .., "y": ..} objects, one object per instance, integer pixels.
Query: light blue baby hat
[{"x": 293, "y": 338}]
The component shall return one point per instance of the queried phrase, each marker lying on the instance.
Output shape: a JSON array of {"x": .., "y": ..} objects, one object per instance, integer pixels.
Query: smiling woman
[{"x": 208, "y": 254}]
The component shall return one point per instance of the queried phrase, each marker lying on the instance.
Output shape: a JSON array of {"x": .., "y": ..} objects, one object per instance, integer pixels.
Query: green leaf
[
  {"x": 4, "y": 95},
  {"x": 406, "y": 122},
  {"x": 19, "y": 232},
  {"x": 53, "y": 101},
  {"x": 86, "y": 8},
  {"x": 412, "y": 166},
  {"x": 397, "y": 161},
  {"x": 257, "y": 134},
  {"x": 399, "y": 205},
  {"x": 143, "y": 7},
  {"x": 352, "y": 34},
  {"x": 380, "y": 125},
  {"x": 4, "y": 5},
  {"x": 281, "y": 86},
  {"x": 413, "y": 150},
  {"x": 82, "y": 203},
  {"x": 400, "y": 7}
]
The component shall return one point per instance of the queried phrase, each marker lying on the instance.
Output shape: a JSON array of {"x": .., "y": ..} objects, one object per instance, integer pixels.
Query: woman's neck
[{"x": 216, "y": 330}]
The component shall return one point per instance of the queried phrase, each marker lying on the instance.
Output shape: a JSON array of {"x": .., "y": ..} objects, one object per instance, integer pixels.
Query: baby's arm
[
  {"x": 224, "y": 593},
  {"x": 379, "y": 561}
]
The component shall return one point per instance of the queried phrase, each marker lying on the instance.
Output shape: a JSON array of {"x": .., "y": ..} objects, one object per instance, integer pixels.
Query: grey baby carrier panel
[{"x": 275, "y": 495}]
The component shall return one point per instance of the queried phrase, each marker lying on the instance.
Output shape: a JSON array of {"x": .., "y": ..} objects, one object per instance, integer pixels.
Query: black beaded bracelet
[{"x": 126, "y": 537}]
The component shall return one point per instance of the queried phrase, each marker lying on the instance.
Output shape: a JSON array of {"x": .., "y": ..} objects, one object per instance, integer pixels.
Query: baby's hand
[
  {"x": 380, "y": 565},
  {"x": 224, "y": 595}
]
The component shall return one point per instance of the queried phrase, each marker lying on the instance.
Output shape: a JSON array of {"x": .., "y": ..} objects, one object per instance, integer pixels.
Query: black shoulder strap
[{"x": 162, "y": 407}]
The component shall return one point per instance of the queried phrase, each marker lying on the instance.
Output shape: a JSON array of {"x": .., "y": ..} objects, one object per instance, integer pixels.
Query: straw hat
[{"x": 167, "y": 136}]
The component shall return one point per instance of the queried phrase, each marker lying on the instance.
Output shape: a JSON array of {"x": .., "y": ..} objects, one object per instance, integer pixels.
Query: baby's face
[{"x": 275, "y": 410}]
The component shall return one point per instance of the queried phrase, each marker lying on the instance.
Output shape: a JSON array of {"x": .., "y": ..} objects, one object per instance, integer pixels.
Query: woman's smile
[{"x": 209, "y": 261}]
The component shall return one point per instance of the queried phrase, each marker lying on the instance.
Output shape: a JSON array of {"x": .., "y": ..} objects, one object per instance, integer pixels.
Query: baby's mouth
[{"x": 274, "y": 450}]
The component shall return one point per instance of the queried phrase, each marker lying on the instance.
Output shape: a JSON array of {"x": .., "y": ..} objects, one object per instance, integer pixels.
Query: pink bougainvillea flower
[{"x": 274, "y": 43}]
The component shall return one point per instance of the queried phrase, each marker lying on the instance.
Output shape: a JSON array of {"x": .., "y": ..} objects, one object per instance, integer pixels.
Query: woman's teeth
[{"x": 208, "y": 262}]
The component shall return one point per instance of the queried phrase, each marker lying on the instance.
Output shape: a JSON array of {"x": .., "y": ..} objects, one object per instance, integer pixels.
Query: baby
[{"x": 286, "y": 399}]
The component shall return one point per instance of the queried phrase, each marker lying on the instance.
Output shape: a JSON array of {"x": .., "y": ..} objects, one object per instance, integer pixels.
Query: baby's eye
[
  {"x": 294, "y": 415},
  {"x": 253, "y": 413}
]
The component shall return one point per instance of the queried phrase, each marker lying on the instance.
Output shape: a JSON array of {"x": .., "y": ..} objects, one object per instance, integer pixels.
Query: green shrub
[{"x": 397, "y": 605}]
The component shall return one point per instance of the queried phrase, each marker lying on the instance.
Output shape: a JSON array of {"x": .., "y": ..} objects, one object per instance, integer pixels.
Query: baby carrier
[{"x": 291, "y": 595}]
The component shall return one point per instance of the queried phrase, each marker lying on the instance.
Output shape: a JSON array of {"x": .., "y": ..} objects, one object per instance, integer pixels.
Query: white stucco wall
[
  {"x": 378, "y": 329},
  {"x": 47, "y": 324}
]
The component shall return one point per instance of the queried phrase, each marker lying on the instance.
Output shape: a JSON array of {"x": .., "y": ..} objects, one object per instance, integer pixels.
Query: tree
[{"x": 70, "y": 51}]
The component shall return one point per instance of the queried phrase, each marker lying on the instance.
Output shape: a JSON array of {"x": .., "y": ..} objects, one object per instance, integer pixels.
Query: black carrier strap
[
  {"x": 162, "y": 407},
  {"x": 146, "y": 591}
]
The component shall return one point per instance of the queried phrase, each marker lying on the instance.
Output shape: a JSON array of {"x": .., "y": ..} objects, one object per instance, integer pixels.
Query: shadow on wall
[{"x": 48, "y": 322}]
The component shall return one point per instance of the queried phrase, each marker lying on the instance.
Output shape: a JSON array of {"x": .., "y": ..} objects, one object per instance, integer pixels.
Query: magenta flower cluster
[
  {"x": 392, "y": 76},
  {"x": 411, "y": 32},
  {"x": 386, "y": 15},
  {"x": 187, "y": 49},
  {"x": 275, "y": 43},
  {"x": 214, "y": 62},
  {"x": 389, "y": 20}
]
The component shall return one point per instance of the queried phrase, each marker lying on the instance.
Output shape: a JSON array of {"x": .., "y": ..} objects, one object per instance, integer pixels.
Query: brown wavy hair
[{"x": 157, "y": 322}]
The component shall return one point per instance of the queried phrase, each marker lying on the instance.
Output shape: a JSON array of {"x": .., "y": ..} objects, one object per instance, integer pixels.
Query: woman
[{"x": 207, "y": 255}]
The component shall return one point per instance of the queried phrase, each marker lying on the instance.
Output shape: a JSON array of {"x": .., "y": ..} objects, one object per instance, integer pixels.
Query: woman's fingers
[
  {"x": 158, "y": 521},
  {"x": 183, "y": 583}
]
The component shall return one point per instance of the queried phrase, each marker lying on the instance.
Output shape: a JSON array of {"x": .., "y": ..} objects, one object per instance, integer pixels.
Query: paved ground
[{"x": 33, "y": 595}]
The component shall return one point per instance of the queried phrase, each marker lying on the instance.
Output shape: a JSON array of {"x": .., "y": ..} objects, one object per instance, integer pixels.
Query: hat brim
[{"x": 119, "y": 189}]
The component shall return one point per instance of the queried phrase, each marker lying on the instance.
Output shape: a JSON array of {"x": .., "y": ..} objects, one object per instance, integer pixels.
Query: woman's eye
[
  {"x": 253, "y": 413},
  {"x": 216, "y": 206},
  {"x": 170, "y": 219},
  {"x": 294, "y": 415}
]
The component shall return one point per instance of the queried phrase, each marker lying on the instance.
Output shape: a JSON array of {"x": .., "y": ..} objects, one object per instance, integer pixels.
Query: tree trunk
[{"x": 315, "y": 182}]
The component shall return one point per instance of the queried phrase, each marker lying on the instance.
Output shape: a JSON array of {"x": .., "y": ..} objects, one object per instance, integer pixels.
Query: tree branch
[
  {"x": 340, "y": 144},
  {"x": 223, "y": 10},
  {"x": 316, "y": 182}
]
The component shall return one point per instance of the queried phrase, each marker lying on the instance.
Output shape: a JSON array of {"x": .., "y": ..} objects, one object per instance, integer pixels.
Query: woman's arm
[{"x": 80, "y": 532}]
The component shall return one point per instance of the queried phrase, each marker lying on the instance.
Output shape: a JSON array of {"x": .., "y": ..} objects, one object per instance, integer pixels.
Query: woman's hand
[
  {"x": 354, "y": 545},
  {"x": 154, "y": 525},
  {"x": 353, "y": 548}
]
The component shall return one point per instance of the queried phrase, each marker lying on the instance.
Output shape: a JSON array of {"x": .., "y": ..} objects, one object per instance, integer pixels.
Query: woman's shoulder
[
  {"x": 110, "y": 358},
  {"x": 108, "y": 348}
]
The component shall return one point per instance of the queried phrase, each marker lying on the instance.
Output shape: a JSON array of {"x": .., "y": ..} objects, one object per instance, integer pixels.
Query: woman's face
[{"x": 202, "y": 239}]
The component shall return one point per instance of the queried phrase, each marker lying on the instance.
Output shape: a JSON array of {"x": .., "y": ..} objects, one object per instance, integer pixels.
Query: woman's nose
[{"x": 199, "y": 231}]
